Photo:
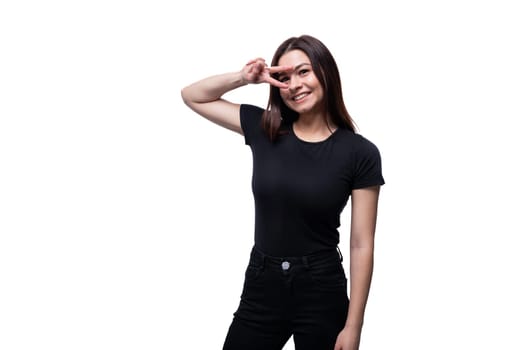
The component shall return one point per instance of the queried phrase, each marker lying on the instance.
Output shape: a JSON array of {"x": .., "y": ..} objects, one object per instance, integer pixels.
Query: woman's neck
[{"x": 313, "y": 127}]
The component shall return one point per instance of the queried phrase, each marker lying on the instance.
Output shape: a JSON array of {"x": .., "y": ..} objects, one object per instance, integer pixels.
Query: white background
[{"x": 126, "y": 220}]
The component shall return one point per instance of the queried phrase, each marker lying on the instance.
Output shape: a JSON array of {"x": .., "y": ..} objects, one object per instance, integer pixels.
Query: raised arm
[
  {"x": 205, "y": 96},
  {"x": 363, "y": 225}
]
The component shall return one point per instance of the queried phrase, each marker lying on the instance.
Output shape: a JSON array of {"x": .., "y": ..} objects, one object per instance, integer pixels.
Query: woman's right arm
[{"x": 205, "y": 96}]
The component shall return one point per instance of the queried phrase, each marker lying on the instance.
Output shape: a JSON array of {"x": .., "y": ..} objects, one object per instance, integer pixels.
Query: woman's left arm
[{"x": 362, "y": 231}]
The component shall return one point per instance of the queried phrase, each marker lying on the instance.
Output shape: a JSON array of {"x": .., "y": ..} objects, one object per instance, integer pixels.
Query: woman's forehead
[{"x": 294, "y": 58}]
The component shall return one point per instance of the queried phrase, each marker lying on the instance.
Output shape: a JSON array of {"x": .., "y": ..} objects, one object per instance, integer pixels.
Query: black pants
[{"x": 301, "y": 296}]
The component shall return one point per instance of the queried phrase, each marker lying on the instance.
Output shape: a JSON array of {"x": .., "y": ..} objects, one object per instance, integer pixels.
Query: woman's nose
[{"x": 295, "y": 83}]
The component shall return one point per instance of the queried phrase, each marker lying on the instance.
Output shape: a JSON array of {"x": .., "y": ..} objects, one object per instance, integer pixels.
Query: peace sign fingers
[{"x": 277, "y": 69}]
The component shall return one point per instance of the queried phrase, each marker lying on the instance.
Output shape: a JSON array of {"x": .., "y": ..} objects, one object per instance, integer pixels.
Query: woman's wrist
[{"x": 242, "y": 79}]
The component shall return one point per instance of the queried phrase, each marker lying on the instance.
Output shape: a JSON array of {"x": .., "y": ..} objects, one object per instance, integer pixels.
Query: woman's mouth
[{"x": 299, "y": 97}]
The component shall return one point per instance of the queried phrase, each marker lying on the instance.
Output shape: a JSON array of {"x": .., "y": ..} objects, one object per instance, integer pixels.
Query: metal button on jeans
[{"x": 285, "y": 265}]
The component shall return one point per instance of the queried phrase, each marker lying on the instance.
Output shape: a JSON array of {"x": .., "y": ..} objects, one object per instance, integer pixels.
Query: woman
[{"x": 307, "y": 161}]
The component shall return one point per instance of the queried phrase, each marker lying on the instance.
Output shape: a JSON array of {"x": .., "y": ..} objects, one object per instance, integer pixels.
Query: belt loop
[
  {"x": 261, "y": 256},
  {"x": 340, "y": 255}
]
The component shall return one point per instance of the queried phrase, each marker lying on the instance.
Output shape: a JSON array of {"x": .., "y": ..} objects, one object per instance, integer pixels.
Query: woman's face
[{"x": 304, "y": 93}]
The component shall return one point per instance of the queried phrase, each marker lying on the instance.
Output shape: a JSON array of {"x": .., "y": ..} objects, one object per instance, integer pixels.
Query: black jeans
[{"x": 301, "y": 296}]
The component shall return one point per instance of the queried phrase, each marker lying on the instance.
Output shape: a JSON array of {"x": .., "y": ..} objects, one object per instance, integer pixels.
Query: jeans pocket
[
  {"x": 253, "y": 271},
  {"x": 329, "y": 276}
]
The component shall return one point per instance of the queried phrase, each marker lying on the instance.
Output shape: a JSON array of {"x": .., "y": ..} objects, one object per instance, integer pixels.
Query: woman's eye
[
  {"x": 303, "y": 71},
  {"x": 284, "y": 79}
]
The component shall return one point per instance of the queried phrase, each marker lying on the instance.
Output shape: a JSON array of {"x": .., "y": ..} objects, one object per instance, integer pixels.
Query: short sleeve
[
  {"x": 367, "y": 171},
  {"x": 251, "y": 122}
]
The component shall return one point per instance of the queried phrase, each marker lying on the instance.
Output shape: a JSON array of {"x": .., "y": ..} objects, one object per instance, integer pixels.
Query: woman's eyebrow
[{"x": 300, "y": 65}]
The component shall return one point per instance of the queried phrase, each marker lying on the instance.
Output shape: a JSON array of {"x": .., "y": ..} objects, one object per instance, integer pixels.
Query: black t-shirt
[{"x": 300, "y": 188}]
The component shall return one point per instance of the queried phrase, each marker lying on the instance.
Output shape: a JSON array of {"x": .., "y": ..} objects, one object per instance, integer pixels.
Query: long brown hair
[{"x": 325, "y": 69}]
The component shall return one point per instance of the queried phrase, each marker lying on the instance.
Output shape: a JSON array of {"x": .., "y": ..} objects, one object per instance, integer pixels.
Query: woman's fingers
[
  {"x": 257, "y": 65},
  {"x": 276, "y": 83},
  {"x": 255, "y": 60},
  {"x": 277, "y": 69},
  {"x": 258, "y": 72},
  {"x": 252, "y": 70}
]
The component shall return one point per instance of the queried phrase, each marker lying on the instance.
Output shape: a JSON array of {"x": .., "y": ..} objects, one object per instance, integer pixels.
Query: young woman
[{"x": 307, "y": 162}]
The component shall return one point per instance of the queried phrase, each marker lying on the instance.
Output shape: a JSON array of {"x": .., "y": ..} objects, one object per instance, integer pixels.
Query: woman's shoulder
[
  {"x": 357, "y": 142},
  {"x": 251, "y": 110},
  {"x": 251, "y": 116}
]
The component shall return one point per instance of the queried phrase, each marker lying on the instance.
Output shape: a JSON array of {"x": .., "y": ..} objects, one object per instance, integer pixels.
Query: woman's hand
[
  {"x": 256, "y": 71},
  {"x": 348, "y": 339}
]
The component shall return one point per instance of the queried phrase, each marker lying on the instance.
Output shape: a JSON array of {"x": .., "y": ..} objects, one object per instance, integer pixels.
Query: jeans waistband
[{"x": 262, "y": 259}]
